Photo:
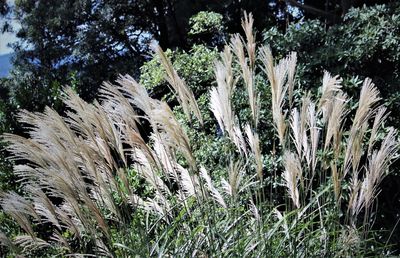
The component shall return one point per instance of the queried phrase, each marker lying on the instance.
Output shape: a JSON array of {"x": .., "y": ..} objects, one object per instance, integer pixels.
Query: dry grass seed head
[
  {"x": 118, "y": 107},
  {"x": 277, "y": 76},
  {"x": 221, "y": 96},
  {"x": 147, "y": 170},
  {"x": 297, "y": 134},
  {"x": 379, "y": 163},
  {"x": 336, "y": 118},
  {"x": 247, "y": 25},
  {"x": 215, "y": 194},
  {"x": 379, "y": 120},
  {"x": 369, "y": 96},
  {"x": 185, "y": 95},
  {"x": 314, "y": 134},
  {"x": 247, "y": 64},
  {"x": 291, "y": 61},
  {"x": 254, "y": 143},
  {"x": 135, "y": 93},
  {"x": 170, "y": 131},
  {"x": 330, "y": 87},
  {"x": 292, "y": 176},
  {"x": 19, "y": 209},
  {"x": 232, "y": 187},
  {"x": 30, "y": 243},
  {"x": 220, "y": 101},
  {"x": 189, "y": 183}
]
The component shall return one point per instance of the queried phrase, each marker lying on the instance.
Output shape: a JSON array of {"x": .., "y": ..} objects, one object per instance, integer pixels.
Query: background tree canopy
[
  {"x": 87, "y": 42},
  {"x": 82, "y": 43}
]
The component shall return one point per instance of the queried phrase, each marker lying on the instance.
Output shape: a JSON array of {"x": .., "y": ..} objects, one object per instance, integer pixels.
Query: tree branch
[{"x": 308, "y": 8}]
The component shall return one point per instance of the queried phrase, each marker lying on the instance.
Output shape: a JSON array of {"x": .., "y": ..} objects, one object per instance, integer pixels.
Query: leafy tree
[
  {"x": 330, "y": 11},
  {"x": 7, "y": 125},
  {"x": 58, "y": 40},
  {"x": 3, "y": 7},
  {"x": 93, "y": 41},
  {"x": 368, "y": 38}
]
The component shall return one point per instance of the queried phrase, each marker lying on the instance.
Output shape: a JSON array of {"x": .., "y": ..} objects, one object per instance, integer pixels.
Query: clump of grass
[{"x": 98, "y": 187}]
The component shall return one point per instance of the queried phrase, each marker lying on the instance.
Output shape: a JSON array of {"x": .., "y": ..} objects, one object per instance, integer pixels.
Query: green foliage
[
  {"x": 78, "y": 36},
  {"x": 364, "y": 45},
  {"x": 205, "y": 22},
  {"x": 8, "y": 180},
  {"x": 99, "y": 40},
  {"x": 193, "y": 65},
  {"x": 207, "y": 28}
]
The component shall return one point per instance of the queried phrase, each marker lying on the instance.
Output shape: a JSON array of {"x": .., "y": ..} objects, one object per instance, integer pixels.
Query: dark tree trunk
[
  {"x": 163, "y": 34},
  {"x": 346, "y": 5}
]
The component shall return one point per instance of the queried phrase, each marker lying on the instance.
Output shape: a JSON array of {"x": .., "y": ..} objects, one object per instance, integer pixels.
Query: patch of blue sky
[{"x": 6, "y": 39}]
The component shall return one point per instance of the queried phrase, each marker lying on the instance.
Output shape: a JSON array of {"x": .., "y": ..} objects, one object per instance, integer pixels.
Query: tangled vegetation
[{"x": 96, "y": 182}]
